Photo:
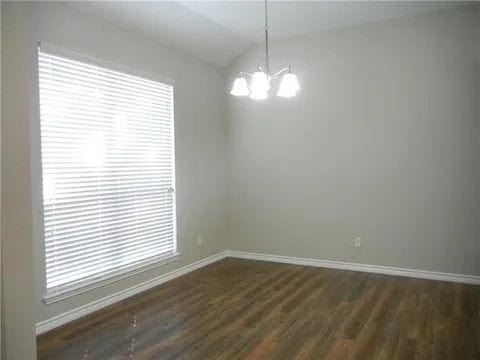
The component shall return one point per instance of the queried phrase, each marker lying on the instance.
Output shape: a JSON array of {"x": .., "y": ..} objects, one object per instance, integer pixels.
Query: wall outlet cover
[{"x": 358, "y": 241}]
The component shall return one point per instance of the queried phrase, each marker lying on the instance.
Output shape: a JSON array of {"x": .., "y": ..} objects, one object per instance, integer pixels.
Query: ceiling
[{"x": 220, "y": 31}]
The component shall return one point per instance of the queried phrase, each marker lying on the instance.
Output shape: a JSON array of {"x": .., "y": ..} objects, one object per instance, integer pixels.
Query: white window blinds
[{"x": 107, "y": 169}]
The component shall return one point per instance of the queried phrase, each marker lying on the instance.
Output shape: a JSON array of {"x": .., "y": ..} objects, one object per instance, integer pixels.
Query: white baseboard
[
  {"x": 413, "y": 273},
  {"x": 61, "y": 319}
]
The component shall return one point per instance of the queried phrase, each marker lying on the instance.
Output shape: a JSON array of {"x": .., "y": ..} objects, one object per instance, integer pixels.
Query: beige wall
[
  {"x": 1, "y": 263},
  {"x": 383, "y": 142},
  {"x": 17, "y": 246},
  {"x": 200, "y": 125}
]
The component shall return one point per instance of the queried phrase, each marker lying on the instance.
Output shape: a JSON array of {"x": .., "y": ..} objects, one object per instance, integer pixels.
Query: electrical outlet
[
  {"x": 199, "y": 240},
  {"x": 358, "y": 241}
]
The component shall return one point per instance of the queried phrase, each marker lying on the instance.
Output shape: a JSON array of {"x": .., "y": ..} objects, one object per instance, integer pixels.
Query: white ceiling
[{"x": 220, "y": 31}]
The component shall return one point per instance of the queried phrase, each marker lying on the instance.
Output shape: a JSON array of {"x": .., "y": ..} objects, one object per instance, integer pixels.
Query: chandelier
[{"x": 261, "y": 79}]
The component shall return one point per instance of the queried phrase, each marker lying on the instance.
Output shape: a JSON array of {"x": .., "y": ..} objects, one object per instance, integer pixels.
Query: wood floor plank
[{"x": 244, "y": 309}]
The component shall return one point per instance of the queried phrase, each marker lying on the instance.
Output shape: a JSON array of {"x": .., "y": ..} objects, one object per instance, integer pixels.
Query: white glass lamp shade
[
  {"x": 260, "y": 81},
  {"x": 259, "y": 86},
  {"x": 240, "y": 87},
  {"x": 288, "y": 86}
]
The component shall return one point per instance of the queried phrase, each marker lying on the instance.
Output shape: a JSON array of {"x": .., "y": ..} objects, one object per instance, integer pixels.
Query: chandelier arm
[
  {"x": 281, "y": 71},
  {"x": 245, "y": 73}
]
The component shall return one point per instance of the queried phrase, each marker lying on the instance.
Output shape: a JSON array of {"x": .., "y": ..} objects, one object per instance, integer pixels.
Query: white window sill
[{"x": 55, "y": 296}]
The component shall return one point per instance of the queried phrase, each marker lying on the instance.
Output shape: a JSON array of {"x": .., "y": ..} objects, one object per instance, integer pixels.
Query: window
[{"x": 108, "y": 172}]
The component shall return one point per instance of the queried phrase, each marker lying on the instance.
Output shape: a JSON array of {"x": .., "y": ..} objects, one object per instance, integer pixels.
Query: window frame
[{"x": 36, "y": 171}]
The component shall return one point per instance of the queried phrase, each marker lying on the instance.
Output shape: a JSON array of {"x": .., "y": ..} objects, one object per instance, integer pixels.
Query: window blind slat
[
  {"x": 59, "y": 62},
  {"x": 107, "y": 169},
  {"x": 71, "y": 67},
  {"x": 98, "y": 95},
  {"x": 90, "y": 260},
  {"x": 71, "y": 209},
  {"x": 109, "y": 188},
  {"x": 103, "y": 268},
  {"x": 82, "y": 236},
  {"x": 87, "y": 254},
  {"x": 107, "y": 266},
  {"x": 78, "y": 114}
]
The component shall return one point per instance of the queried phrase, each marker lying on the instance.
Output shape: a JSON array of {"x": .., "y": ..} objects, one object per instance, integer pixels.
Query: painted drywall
[
  {"x": 382, "y": 142},
  {"x": 17, "y": 246},
  {"x": 1, "y": 281},
  {"x": 200, "y": 131}
]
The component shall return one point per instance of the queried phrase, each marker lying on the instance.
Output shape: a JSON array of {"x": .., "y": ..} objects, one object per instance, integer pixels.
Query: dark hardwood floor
[{"x": 242, "y": 309}]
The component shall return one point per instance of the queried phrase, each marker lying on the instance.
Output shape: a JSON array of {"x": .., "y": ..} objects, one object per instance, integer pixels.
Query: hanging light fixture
[
  {"x": 260, "y": 80},
  {"x": 289, "y": 85},
  {"x": 240, "y": 87}
]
